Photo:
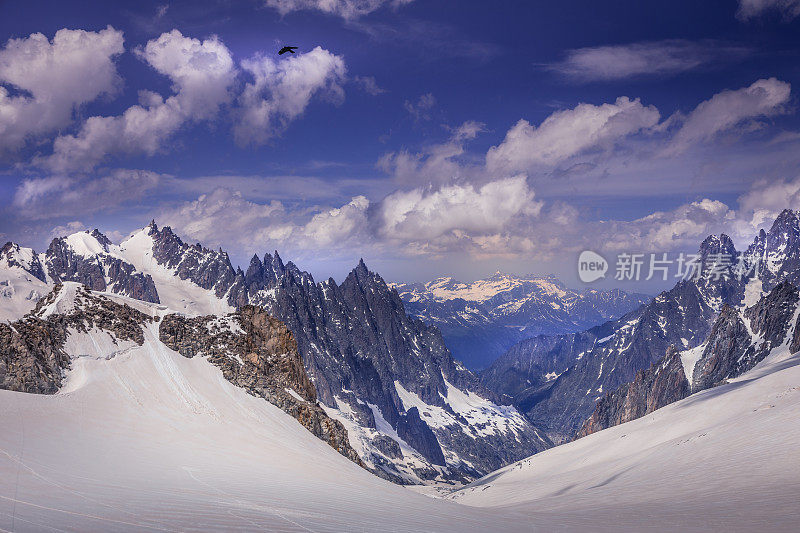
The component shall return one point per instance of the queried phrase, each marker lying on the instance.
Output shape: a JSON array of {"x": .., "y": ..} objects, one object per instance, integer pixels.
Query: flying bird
[{"x": 285, "y": 49}]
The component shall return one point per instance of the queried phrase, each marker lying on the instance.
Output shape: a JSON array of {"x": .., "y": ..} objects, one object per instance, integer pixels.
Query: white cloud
[
  {"x": 222, "y": 215},
  {"x": 67, "y": 229},
  {"x": 570, "y": 132},
  {"x": 749, "y": 9},
  {"x": 347, "y": 9},
  {"x": 437, "y": 164},
  {"x": 201, "y": 72},
  {"x": 338, "y": 224},
  {"x": 56, "y": 196},
  {"x": 50, "y": 79},
  {"x": 731, "y": 109},
  {"x": 369, "y": 85},
  {"x": 766, "y": 199},
  {"x": 659, "y": 58},
  {"x": 420, "y": 109},
  {"x": 425, "y": 215},
  {"x": 282, "y": 89},
  {"x": 681, "y": 228}
]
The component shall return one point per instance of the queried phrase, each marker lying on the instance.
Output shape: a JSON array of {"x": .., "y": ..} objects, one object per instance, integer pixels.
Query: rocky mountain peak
[
  {"x": 721, "y": 244},
  {"x": 100, "y": 238},
  {"x": 13, "y": 255},
  {"x": 361, "y": 269}
]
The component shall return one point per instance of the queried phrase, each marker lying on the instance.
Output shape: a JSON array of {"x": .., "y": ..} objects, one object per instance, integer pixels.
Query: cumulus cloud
[
  {"x": 436, "y": 164},
  {"x": 51, "y": 78},
  {"x": 683, "y": 227},
  {"x": 420, "y": 109},
  {"x": 56, "y": 196},
  {"x": 338, "y": 224},
  {"x": 224, "y": 216},
  {"x": 201, "y": 72},
  {"x": 222, "y": 213},
  {"x": 728, "y": 110},
  {"x": 659, "y": 58},
  {"x": 419, "y": 220},
  {"x": 425, "y": 215},
  {"x": 281, "y": 91},
  {"x": 569, "y": 132},
  {"x": 69, "y": 228},
  {"x": 347, "y": 9},
  {"x": 766, "y": 199},
  {"x": 749, "y": 9}
]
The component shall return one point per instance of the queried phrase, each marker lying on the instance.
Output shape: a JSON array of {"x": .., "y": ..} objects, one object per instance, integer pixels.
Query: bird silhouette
[{"x": 285, "y": 49}]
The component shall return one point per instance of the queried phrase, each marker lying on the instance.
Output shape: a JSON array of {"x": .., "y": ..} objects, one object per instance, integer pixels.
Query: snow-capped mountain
[
  {"x": 252, "y": 350},
  {"x": 556, "y": 380},
  {"x": 723, "y": 459},
  {"x": 152, "y": 420},
  {"x": 411, "y": 411},
  {"x": 481, "y": 320},
  {"x": 739, "y": 340}
]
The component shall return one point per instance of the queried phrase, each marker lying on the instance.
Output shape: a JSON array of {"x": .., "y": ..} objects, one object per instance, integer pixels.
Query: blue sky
[{"x": 430, "y": 137}]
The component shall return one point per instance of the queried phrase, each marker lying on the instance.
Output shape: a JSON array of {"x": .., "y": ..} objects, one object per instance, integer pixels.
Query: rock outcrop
[
  {"x": 556, "y": 381},
  {"x": 32, "y": 356},
  {"x": 661, "y": 384},
  {"x": 68, "y": 259},
  {"x": 738, "y": 341},
  {"x": 256, "y": 352}
]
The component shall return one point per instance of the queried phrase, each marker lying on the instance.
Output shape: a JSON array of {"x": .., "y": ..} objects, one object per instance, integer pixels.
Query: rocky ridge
[
  {"x": 739, "y": 340},
  {"x": 557, "y": 380},
  {"x": 252, "y": 349},
  {"x": 412, "y": 412}
]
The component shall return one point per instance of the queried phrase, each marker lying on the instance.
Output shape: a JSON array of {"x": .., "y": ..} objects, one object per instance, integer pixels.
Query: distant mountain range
[
  {"x": 557, "y": 380},
  {"x": 481, "y": 320}
]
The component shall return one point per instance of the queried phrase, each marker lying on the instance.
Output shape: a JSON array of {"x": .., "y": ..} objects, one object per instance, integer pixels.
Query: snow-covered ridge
[
  {"x": 447, "y": 288},
  {"x": 691, "y": 464},
  {"x": 178, "y": 294},
  {"x": 22, "y": 281}
]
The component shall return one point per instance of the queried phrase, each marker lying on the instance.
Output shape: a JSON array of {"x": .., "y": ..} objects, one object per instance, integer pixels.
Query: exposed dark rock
[
  {"x": 11, "y": 253},
  {"x": 207, "y": 268},
  {"x": 261, "y": 358},
  {"x": 102, "y": 272},
  {"x": 412, "y": 429},
  {"x": 681, "y": 317},
  {"x": 32, "y": 357},
  {"x": 661, "y": 384},
  {"x": 729, "y": 351},
  {"x": 356, "y": 341},
  {"x": 388, "y": 446}
]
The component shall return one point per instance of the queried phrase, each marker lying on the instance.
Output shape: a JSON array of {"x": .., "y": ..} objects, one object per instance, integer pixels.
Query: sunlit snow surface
[
  {"x": 151, "y": 441},
  {"x": 19, "y": 290},
  {"x": 177, "y": 294},
  {"x": 725, "y": 459}
]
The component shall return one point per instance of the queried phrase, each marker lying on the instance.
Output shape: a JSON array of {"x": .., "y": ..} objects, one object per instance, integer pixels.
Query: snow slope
[
  {"x": 151, "y": 441},
  {"x": 723, "y": 459},
  {"x": 177, "y": 294},
  {"x": 19, "y": 289}
]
